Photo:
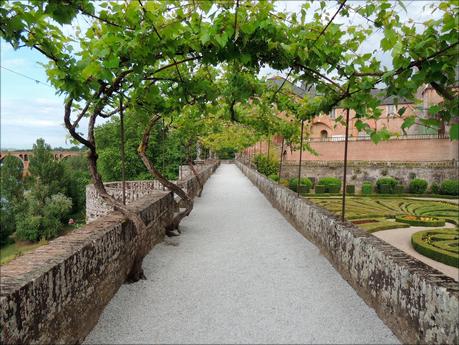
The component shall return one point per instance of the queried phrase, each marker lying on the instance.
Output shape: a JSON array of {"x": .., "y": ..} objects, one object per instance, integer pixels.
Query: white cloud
[
  {"x": 25, "y": 119},
  {"x": 14, "y": 63}
]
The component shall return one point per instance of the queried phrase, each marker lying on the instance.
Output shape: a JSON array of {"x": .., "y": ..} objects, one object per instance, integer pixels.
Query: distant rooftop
[{"x": 311, "y": 91}]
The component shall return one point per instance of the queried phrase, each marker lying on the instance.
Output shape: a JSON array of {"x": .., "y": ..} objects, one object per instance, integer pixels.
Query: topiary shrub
[
  {"x": 350, "y": 189},
  {"x": 440, "y": 245},
  {"x": 420, "y": 220},
  {"x": 319, "y": 189},
  {"x": 305, "y": 185},
  {"x": 367, "y": 188},
  {"x": 449, "y": 187},
  {"x": 386, "y": 185},
  {"x": 332, "y": 184},
  {"x": 417, "y": 186}
]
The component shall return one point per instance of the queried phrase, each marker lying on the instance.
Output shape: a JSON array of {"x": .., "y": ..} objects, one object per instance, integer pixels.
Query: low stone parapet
[
  {"x": 418, "y": 303},
  {"x": 96, "y": 207},
  {"x": 56, "y": 293}
]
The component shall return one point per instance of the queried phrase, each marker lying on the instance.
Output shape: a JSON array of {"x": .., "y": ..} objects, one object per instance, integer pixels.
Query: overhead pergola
[{"x": 196, "y": 65}]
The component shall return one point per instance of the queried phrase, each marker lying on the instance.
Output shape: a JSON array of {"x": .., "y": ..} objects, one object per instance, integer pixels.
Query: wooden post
[
  {"x": 281, "y": 159},
  {"x": 123, "y": 156},
  {"x": 343, "y": 210},
  {"x": 301, "y": 154}
]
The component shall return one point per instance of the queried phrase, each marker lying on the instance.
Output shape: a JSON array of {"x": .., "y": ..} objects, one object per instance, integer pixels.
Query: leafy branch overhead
[{"x": 194, "y": 66}]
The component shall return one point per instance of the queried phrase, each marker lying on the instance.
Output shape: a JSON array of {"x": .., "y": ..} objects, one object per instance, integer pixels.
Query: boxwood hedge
[{"x": 441, "y": 245}]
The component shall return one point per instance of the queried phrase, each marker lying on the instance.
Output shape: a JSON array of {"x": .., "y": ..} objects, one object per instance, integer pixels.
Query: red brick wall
[{"x": 419, "y": 150}]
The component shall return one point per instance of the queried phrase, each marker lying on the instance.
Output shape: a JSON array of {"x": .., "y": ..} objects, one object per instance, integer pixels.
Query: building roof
[
  {"x": 298, "y": 91},
  {"x": 311, "y": 91},
  {"x": 386, "y": 100}
]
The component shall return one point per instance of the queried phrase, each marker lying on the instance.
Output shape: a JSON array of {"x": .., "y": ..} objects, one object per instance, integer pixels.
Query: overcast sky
[{"x": 30, "y": 110}]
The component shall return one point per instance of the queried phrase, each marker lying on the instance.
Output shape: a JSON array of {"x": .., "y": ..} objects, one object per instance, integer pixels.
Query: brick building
[{"x": 326, "y": 135}]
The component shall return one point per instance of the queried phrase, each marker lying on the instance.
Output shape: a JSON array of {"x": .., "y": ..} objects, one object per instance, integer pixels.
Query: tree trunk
[
  {"x": 140, "y": 227},
  {"x": 166, "y": 183}
]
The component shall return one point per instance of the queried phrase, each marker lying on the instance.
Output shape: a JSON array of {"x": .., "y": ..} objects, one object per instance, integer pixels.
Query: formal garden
[{"x": 387, "y": 204}]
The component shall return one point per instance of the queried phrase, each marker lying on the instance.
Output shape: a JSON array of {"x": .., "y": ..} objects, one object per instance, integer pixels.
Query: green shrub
[
  {"x": 386, "y": 185},
  {"x": 266, "y": 166},
  {"x": 274, "y": 177},
  {"x": 418, "y": 186},
  {"x": 332, "y": 184},
  {"x": 305, "y": 184},
  {"x": 367, "y": 188},
  {"x": 350, "y": 189},
  {"x": 42, "y": 221},
  {"x": 423, "y": 244},
  {"x": 435, "y": 188},
  {"x": 28, "y": 228},
  {"x": 449, "y": 187},
  {"x": 319, "y": 189}
]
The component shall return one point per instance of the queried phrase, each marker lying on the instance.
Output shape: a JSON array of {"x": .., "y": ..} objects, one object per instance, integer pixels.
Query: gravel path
[
  {"x": 401, "y": 239},
  {"x": 239, "y": 274}
]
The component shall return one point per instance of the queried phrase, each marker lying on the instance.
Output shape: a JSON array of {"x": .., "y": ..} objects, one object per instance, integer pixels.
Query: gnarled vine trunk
[
  {"x": 174, "y": 225},
  {"x": 136, "y": 273}
]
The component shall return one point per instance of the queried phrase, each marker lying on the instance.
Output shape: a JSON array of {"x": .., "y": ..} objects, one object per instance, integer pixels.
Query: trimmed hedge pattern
[
  {"x": 441, "y": 245},
  {"x": 419, "y": 220},
  {"x": 368, "y": 208}
]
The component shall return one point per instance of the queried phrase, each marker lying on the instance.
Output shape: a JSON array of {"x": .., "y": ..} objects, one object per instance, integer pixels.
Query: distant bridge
[{"x": 24, "y": 156}]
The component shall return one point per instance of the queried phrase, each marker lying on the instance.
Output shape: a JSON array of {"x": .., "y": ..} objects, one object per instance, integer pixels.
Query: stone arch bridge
[{"x": 25, "y": 155}]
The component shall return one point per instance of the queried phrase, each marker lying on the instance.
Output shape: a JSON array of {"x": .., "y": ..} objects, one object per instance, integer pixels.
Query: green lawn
[
  {"x": 377, "y": 211},
  {"x": 10, "y": 251}
]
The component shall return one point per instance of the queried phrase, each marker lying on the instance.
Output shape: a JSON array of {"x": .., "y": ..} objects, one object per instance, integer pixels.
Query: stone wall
[
  {"x": 419, "y": 304},
  {"x": 360, "y": 171},
  {"x": 96, "y": 207},
  {"x": 56, "y": 293}
]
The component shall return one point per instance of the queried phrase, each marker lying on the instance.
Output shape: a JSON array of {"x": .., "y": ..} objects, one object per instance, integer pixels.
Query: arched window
[{"x": 323, "y": 134}]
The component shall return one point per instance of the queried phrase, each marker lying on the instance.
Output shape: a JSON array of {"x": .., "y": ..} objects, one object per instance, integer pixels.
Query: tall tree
[
  {"x": 45, "y": 168},
  {"x": 11, "y": 192}
]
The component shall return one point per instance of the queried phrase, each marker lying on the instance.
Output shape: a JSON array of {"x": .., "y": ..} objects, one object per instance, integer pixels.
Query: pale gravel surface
[
  {"x": 401, "y": 239},
  {"x": 240, "y": 274}
]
